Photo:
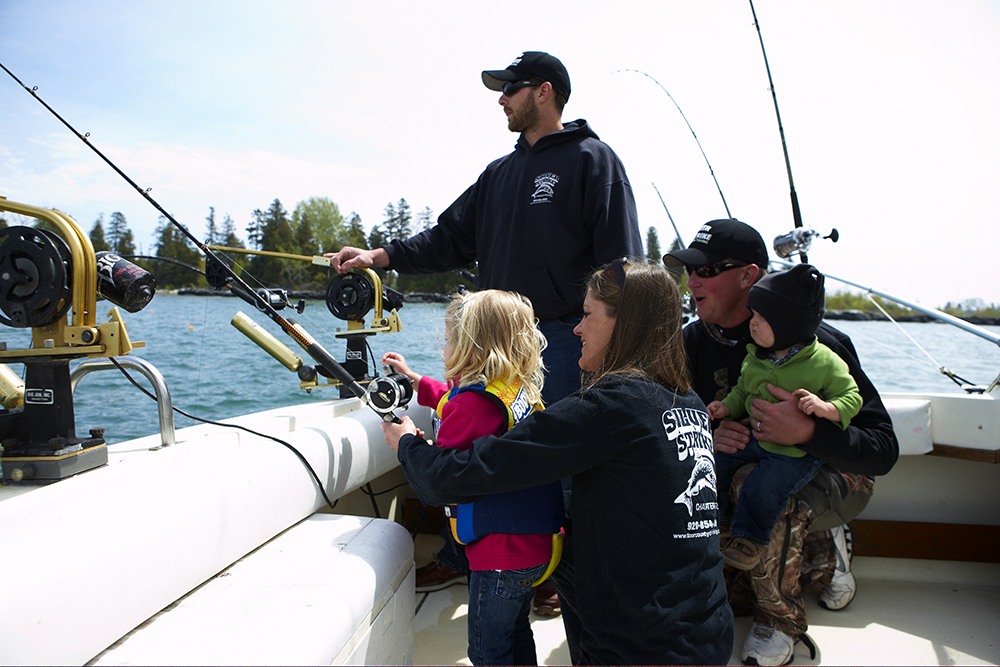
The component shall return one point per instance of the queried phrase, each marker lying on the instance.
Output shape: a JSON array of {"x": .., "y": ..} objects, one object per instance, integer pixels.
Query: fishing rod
[
  {"x": 796, "y": 213},
  {"x": 710, "y": 170},
  {"x": 677, "y": 232},
  {"x": 228, "y": 277}
]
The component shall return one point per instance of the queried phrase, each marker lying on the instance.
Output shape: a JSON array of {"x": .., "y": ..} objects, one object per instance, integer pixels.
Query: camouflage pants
[{"x": 796, "y": 561}]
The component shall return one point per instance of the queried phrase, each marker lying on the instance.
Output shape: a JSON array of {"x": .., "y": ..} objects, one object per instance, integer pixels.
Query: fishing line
[{"x": 696, "y": 140}]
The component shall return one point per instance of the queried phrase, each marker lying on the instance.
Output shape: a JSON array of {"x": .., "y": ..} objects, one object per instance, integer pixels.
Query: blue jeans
[
  {"x": 766, "y": 491},
  {"x": 561, "y": 357},
  {"x": 499, "y": 603}
]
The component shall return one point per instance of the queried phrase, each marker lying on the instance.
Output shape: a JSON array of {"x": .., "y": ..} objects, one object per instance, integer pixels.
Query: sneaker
[
  {"x": 436, "y": 575},
  {"x": 840, "y": 591},
  {"x": 741, "y": 553},
  {"x": 767, "y": 646},
  {"x": 546, "y": 600}
]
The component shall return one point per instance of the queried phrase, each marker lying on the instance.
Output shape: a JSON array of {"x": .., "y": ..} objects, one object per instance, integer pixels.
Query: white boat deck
[{"x": 907, "y": 612}]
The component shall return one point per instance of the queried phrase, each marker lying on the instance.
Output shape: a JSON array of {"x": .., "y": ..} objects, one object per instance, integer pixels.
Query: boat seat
[
  {"x": 959, "y": 426},
  {"x": 911, "y": 420},
  {"x": 331, "y": 589}
]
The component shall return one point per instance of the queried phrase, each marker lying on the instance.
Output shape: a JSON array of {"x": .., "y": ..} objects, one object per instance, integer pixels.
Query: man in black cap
[
  {"x": 724, "y": 261},
  {"x": 537, "y": 221}
]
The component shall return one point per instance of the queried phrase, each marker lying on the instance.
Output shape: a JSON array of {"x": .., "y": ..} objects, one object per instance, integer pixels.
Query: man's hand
[
  {"x": 393, "y": 432},
  {"x": 782, "y": 422},
  {"x": 348, "y": 258}
]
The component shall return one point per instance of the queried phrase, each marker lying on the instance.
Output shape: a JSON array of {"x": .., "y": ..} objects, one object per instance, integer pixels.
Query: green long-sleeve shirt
[{"x": 815, "y": 368}]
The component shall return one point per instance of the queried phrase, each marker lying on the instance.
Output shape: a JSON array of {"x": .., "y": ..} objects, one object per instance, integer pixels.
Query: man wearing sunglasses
[
  {"x": 537, "y": 221},
  {"x": 725, "y": 259}
]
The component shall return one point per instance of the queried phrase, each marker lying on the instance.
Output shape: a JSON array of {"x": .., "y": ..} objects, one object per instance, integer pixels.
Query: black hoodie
[
  {"x": 538, "y": 220},
  {"x": 649, "y": 587}
]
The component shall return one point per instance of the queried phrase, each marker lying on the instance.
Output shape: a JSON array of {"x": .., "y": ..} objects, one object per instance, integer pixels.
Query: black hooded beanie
[{"x": 792, "y": 302}]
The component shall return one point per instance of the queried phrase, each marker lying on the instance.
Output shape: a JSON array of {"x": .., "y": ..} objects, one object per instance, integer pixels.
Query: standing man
[
  {"x": 725, "y": 259},
  {"x": 538, "y": 221}
]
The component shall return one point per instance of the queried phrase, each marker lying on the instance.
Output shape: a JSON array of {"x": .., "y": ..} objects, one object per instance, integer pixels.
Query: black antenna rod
[
  {"x": 238, "y": 285},
  {"x": 710, "y": 170},
  {"x": 796, "y": 213}
]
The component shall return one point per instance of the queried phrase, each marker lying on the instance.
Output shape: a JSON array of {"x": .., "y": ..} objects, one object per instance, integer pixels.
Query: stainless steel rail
[{"x": 163, "y": 402}]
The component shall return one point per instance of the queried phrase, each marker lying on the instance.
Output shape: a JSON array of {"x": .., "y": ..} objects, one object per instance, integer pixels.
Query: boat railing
[{"x": 163, "y": 401}]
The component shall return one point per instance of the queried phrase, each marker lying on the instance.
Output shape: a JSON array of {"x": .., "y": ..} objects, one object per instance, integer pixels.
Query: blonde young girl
[{"x": 493, "y": 363}]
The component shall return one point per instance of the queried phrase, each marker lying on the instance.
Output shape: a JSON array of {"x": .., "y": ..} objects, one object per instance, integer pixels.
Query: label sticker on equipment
[{"x": 39, "y": 396}]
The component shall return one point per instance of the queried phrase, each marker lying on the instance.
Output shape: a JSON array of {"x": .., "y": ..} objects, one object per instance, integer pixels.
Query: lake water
[{"x": 214, "y": 371}]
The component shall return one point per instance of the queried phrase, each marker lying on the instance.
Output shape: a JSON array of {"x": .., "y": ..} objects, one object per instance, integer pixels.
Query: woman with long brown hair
[{"x": 641, "y": 576}]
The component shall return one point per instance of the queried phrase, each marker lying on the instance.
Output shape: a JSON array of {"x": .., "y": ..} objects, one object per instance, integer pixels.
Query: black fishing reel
[
  {"x": 351, "y": 295},
  {"x": 35, "y": 277},
  {"x": 388, "y": 392}
]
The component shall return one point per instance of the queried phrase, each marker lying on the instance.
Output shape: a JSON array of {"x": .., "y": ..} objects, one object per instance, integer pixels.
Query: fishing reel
[
  {"x": 47, "y": 273},
  {"x": 350, "y": 296},
  {"x": 799, "y": 240}
]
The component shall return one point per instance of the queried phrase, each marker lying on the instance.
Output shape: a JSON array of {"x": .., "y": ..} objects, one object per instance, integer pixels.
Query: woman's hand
[
  {"x": 731, "y": 436},
  {"x": 393, "y": 432}
]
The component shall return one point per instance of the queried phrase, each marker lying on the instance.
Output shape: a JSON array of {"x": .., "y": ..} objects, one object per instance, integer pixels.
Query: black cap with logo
[
  {"x": 719, "y": 240},
  {"x": 530, "y": 65}
]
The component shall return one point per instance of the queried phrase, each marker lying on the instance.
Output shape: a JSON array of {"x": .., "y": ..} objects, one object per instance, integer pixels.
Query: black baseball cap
[
  {"x": 718, "y": 240},
  {"x": 530, "y": 65}
]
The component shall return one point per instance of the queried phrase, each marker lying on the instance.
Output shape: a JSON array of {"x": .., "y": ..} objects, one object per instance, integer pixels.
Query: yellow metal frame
[{"x": 82, "y": 336}]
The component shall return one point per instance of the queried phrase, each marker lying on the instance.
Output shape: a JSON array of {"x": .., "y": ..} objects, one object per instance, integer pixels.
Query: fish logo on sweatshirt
[
  {"x": 545, "y": 188},
  {"x": 702, "y": 478}
]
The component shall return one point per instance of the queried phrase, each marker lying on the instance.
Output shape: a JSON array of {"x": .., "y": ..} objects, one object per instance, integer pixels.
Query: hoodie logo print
[{"x": 545, "y": 188}]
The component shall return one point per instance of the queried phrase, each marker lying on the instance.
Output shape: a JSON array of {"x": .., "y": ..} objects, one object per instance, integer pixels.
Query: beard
[{"x": 524, "y": 117}]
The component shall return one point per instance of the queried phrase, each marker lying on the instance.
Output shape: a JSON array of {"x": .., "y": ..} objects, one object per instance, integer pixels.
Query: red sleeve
[
  {"x": 430, "y": 391},
  {"x": 468, "y": 416}
]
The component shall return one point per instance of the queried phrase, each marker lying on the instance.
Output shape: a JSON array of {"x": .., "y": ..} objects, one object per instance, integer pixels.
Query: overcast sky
[{"x": 889, "y": 110}]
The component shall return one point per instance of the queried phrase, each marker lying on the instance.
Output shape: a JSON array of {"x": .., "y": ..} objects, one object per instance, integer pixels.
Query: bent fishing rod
[
  {"x": 696, "y": 140},
  {"x": 796, "y": 213},
  {"x": 229, "y": 276}
]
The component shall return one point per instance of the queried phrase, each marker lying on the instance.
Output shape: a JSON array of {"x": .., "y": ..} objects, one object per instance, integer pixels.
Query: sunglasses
[
  {"x": 617, "y": 269},
  {"x": 712, "y": 270},
  {"x": 512, "y": 87}
]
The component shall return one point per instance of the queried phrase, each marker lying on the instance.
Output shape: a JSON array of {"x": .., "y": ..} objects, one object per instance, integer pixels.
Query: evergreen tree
[
  {"x": 184, "y": 260},
  {"x": 277, "y": 236},
  {"x": 355, "y": 235},
  {"x": 120, "y": 237},
  {"x": 305, "y": 241},
  {"x": 398, "y": 220},
  {"x": 653, "y": 253},
  {"x": 117, "y": 227},
  {"x": 255, "y": 230},
  {"x": 229, "y": 237},
  {"x": 305, "y": 237},
  {"x": 212, "y": 236},
  {"x": 425, "y": 219},
  {"x": 327, "y": 223},
  {"x": 97, "y": 235}
]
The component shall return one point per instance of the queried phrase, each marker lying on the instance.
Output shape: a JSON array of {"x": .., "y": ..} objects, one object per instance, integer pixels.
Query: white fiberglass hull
[{"x": 91, "y": 557}]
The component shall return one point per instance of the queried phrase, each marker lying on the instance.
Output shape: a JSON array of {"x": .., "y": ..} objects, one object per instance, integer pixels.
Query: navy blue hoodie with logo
[{"x": 538, "y": 220}]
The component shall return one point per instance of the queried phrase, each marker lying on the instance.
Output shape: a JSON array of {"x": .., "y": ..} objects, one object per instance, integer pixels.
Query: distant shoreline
[{"x": 427, "y": 297}]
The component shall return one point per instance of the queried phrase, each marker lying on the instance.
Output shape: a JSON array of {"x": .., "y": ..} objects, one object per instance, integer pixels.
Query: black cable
[{"x": 297, "y": 453}]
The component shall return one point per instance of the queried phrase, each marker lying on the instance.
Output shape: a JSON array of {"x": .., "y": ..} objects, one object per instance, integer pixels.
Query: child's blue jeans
[
  {"x": 499, "y": 604},
  {"x": 766, "y": 490}
]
